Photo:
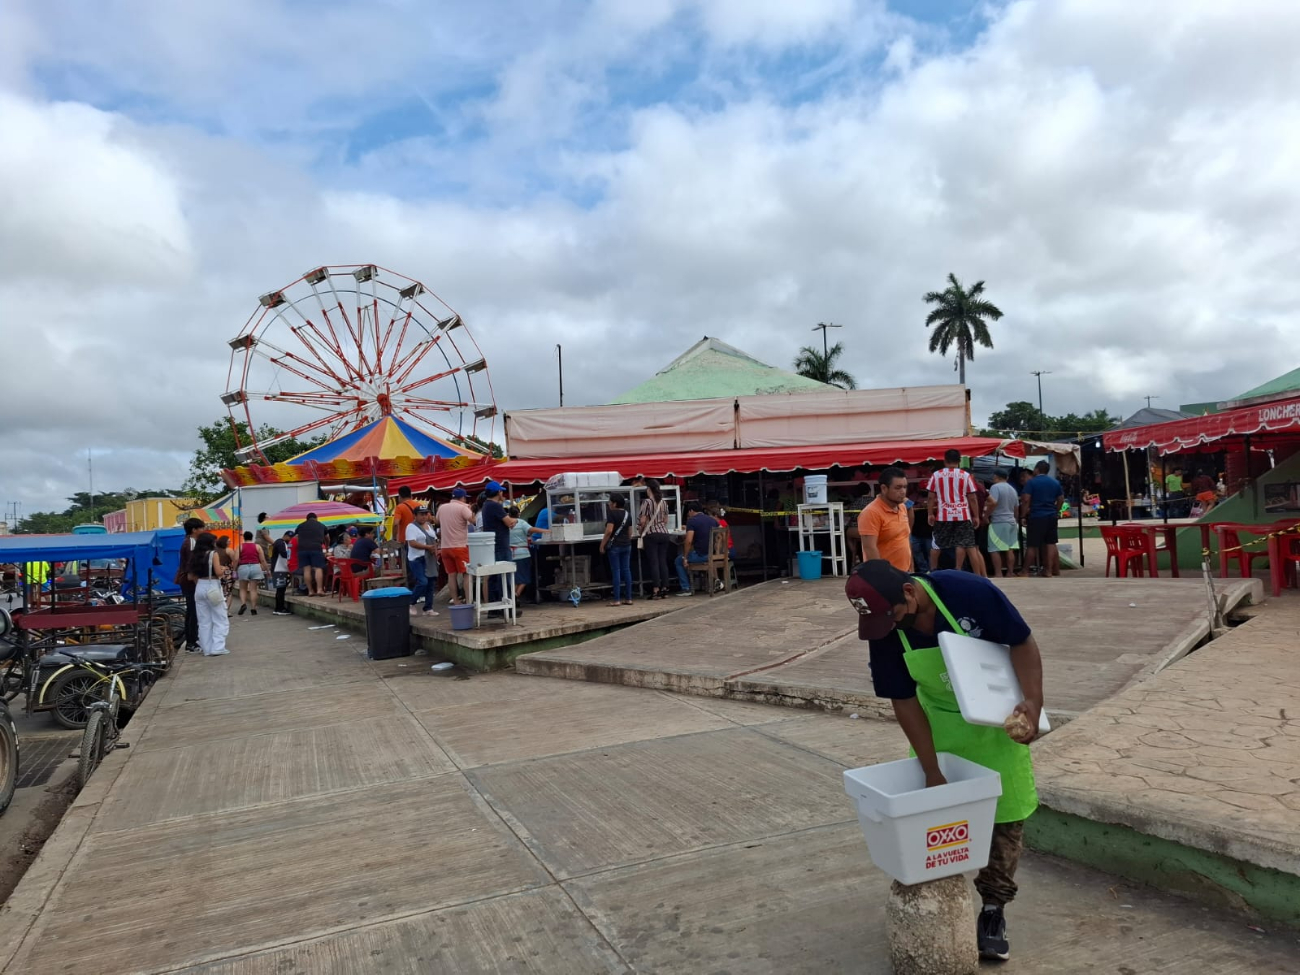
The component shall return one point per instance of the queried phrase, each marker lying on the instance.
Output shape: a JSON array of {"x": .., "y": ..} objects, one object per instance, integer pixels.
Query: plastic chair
[
  {"x": 349, "y": 577},
  {"x": 1125, "y": 546},
  {"x": 1229, "y": 534},
  {"x": 1290, "y": 560}
]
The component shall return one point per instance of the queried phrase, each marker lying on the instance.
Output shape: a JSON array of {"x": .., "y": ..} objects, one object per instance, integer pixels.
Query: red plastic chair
[
  {"x": 1126, "y": 546},
  {"x": 350, "y": 575},
  {"x": 1290, "y": 560},
  {"x": 1229, "y": 534}
]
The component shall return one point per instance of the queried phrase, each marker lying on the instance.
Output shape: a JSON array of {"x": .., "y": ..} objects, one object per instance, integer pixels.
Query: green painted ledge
[
  {"x": 1210, "y": 878},
  {"x": 490, "y": 658}
]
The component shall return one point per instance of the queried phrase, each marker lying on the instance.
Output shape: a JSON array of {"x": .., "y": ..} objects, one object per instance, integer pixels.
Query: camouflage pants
[{"x": 996, "y": 883}]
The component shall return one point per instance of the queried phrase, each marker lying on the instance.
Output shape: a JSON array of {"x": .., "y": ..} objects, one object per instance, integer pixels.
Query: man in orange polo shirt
[{"x": 884, "y": 525}]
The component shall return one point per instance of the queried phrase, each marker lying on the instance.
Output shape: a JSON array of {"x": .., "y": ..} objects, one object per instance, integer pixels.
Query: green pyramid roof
[
  {"x": 711, "y": 369},
  {"x": 1285, "y": 383}
]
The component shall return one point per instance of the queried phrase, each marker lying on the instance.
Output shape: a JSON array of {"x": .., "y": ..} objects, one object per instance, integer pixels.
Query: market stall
[{"x": 567, "y": 557}]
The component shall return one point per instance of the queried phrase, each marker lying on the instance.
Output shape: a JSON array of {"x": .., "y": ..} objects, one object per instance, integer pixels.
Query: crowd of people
[{"x": 962, "y": 520}]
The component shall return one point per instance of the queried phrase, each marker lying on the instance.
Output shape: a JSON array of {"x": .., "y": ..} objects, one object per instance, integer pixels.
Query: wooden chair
[
  {"x": 1126, "y": 546},
  {"x": 717, "y": 568}
]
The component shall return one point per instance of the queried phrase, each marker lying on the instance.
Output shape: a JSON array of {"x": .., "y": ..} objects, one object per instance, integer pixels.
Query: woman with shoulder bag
[
  {"x": 617, "y": 544},
  {"x": 207, "y": 570},
  {"x": 652, "y": 525}
]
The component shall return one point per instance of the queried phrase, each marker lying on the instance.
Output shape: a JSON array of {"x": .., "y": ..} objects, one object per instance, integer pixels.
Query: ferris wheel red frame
[{"x": 351, "y": 366}]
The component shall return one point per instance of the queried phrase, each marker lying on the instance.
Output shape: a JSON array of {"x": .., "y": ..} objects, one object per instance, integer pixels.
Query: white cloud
[
  {"x": 1120, "y": 174},
  {"x": 81, "y": 201}
]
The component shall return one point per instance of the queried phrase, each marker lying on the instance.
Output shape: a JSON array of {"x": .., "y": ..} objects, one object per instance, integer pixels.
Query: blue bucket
[{"x": 810, "y": 565}]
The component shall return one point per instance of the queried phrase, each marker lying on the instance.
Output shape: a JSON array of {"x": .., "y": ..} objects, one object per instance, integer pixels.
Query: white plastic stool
[{"x": 480, "y": 573}]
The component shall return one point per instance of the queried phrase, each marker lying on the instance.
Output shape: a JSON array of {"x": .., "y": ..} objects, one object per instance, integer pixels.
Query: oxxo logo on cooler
[{"x": 947, "y": 844}]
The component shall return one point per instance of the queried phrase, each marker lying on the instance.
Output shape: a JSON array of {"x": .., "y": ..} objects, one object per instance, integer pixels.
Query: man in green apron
[{"x": 901, "y": 615}]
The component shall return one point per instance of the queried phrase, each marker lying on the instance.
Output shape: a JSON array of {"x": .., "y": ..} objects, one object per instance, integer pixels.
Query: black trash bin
[{"x": 388, "y": 622}]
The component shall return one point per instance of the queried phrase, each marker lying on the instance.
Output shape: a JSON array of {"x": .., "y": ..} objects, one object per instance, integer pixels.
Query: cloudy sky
[{"x": 626, "y": 177}]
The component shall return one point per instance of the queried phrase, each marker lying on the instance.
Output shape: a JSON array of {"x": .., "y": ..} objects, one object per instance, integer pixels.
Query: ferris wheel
[{"x": 346, "y": 345}]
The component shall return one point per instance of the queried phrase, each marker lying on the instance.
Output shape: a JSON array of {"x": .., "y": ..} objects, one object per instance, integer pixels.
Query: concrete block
[{"x": 931, "y": 928}]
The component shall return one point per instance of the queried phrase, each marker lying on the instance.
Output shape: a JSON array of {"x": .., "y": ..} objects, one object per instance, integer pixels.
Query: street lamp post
[
  {"x": 1039, "y": 374},
  {"x": 826, "y": 351}
]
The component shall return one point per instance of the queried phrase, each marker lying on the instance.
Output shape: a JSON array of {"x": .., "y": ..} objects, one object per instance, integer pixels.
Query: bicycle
[{"x": 102, "y": 733}]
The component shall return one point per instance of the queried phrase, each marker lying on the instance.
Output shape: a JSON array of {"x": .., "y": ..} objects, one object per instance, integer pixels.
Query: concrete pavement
[
  {"x": 795, "y": 643},
  {"x": 1204, "y": 755},
  {"x": 295, "y": 808}
]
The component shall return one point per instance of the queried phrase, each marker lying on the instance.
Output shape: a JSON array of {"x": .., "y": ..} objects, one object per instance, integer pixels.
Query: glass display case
[{"x": 578, "y": 514}]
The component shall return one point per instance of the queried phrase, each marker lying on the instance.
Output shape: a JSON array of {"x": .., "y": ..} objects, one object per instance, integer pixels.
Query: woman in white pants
[{"x": 207, "y": 569}]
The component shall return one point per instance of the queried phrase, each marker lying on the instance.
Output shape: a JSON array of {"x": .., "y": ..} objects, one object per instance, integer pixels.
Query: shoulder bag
[{"x": 214, "y": 596}]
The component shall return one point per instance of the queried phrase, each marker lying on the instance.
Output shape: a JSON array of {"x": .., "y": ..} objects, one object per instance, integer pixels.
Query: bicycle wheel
[
  {"x": 8, "y": 758},
  {"x": 92, "y": 748},
  {"x": 72, "y": 694}
]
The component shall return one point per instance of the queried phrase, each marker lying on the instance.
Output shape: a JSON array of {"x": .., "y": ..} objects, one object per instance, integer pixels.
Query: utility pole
[
  {"x": 1039, "y": 374},
  {"x": 1149, "y": 399},
  {"x": 559, "y": 355},
  {"x": 90, "y": 471},
  {"x": 826, "y": 351}
]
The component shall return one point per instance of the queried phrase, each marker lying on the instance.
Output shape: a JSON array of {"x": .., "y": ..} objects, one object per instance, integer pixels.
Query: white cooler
[{"x": 916, "y": 834}]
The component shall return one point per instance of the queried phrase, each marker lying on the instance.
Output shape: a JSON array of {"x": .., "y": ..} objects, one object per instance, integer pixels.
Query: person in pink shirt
[{"x": 454, "y": 520}]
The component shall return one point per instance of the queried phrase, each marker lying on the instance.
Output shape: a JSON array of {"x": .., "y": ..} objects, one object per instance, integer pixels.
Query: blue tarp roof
[{"x": 141, "y": 547}]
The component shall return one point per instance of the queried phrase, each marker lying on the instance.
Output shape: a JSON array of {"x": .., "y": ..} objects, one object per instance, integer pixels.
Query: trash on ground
[
  {"x": 323, "y": 626},
  {"x": 853, "y": 716},
  {"x": 439, "y": 668}
]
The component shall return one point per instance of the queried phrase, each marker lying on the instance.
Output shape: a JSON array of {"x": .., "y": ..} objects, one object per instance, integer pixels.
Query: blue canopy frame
[{"x": 143, "y": 549}]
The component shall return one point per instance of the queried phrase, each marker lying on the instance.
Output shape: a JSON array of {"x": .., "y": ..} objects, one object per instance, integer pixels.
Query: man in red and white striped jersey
[{"x": 954, "y": 513}]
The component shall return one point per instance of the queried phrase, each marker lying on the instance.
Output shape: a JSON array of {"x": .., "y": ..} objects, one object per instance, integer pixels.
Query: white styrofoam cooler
[
  {"x": 584, "y": 479},
  {"x": 916, "y": 834},
  {"x": 566, "y": 533}
]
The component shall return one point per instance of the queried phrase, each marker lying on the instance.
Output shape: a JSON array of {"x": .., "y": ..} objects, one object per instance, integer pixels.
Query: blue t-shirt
[
  {"x": 543, "y": 521},
  {"x": 1043, "y": 491},
  {"x": 703, "y": 526},
  {"x": 979, "y": 606}
]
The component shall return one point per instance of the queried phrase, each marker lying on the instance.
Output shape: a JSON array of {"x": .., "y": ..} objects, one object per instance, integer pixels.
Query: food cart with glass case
[{"x": 579, "y": 504}]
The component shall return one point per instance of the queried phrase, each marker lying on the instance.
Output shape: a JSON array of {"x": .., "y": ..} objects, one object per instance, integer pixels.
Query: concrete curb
[{"x": 1217, "y": 880}]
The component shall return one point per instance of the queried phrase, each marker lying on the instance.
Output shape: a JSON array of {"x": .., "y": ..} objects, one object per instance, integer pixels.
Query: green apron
[{"x": 990, "y": 747}]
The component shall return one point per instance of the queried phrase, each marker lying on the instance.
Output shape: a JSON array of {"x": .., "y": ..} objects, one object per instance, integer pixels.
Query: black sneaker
[{"x": 991, "y": 934}]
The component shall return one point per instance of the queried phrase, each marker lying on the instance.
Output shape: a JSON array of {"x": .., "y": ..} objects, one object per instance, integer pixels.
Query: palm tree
[
  {"x": 960, "y": 316},
  {"x": 821, "y": 366}
]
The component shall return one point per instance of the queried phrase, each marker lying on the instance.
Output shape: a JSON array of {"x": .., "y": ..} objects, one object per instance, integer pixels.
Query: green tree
[
  {"x": 1018, "y": 417},
  {"x": 822, "y": 367},
  {"x": 960, "y": 317},
  {"x": 80, "y": 511},
  {"x": 1085, "y": 423},
  {"x": 1023, "y": 418},
  {"x": 490, "y": 447},
  {"x": 217, "y": 453}
]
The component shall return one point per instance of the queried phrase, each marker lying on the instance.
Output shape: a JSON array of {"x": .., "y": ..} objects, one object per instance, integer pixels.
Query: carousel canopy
[
  {"x": 329, "y": 513},
  {"x": 385, "y": 439}
]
